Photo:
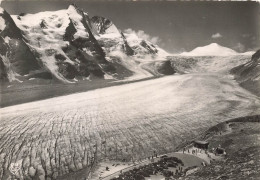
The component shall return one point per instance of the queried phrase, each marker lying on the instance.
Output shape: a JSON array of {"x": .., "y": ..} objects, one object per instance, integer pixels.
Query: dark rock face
[
  {"x": 166, "y": 68},
  {"x": 3, "y": 47},
  {"x": 59, "y": 57},
  {"x": 67, "y": 70},
  {"x": 20, "y": 57},
  {"x": 146, "y": 46},
  {"x": 3, "y": 73},
  {"x": 256, "y": 56},
  {"x": 41, "y": 75},
  {"x": 248, "y": 74},
  {"x": 159, "y": 68},
  {"x": 101, "y": 23},
  {"x": 11, "y": 30},
  {"x": 69, "y": 32},
  {"x": 126, "y": 48},
  {"x": 87, "y": 64},
  {"x": 122, "y": 72},
  {"x": 83, "y": 70},
  {"x": 98, "y": 51},
  {"x": 43, "y": 25}
]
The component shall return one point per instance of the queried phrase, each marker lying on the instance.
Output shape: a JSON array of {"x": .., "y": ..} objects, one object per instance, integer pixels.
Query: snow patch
[
  {"x": 110, "y": 35},
  {"x": 1, "y": 10},
  {"x": 249, "y": 53},
  {"x": 112, "y": 29},
  {"x": 2, "y": 24},
  {"x": 7, "y": 39},
  {"x": 87, "y": 51},
  {"x": 107, "y": 76},
  {"x": 86, "y": 78}
]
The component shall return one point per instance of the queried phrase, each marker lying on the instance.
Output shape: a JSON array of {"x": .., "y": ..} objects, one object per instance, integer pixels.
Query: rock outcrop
[{"x": 248, "y": 74}]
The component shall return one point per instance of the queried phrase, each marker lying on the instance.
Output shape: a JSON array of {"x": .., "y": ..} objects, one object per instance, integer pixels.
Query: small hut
[{"x": 201, "y": 144}]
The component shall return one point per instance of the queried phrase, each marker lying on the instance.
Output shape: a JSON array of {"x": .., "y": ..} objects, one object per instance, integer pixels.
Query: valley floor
[{"x": 60, "y": 135}]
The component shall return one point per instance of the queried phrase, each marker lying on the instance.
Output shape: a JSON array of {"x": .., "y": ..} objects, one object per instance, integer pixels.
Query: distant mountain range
[
  {"x": 69, "y": 45},
  {"x": 213, "y": 49}
]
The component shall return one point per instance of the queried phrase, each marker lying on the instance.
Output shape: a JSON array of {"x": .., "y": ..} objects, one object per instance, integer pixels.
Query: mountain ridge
[{"x": 68, "y": 45}]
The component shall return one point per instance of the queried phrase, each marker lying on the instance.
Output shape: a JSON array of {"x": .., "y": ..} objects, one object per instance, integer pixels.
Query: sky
[{"x": 174, "y": 26}]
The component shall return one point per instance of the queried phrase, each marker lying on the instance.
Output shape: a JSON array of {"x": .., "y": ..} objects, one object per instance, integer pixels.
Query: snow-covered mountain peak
[
  {"x": 73, "y": 6},
  {"x": 73, "y": 10},
  {"x": 212, "y": 49},
  {"x": 68, "y": 45},
  {"x": 213, "y": 45}
]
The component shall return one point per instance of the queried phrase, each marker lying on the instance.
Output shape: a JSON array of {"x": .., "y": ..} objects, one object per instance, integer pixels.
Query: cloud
[
  {"x": 141, "y": 34},
  {"x": 216, "y": 36},
  {"x": 239, "y": 47}
]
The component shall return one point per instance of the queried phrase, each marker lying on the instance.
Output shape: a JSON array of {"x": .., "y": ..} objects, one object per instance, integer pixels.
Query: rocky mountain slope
[
  {"x": 69, "y": 45},
  {"x": 248, "y": 74},
  {"x": 16, "y": 57}
]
